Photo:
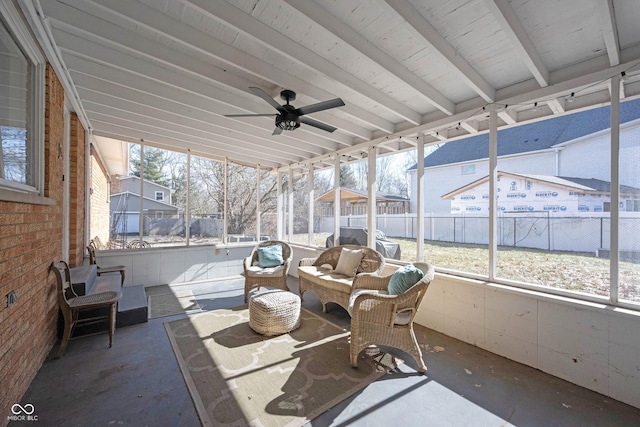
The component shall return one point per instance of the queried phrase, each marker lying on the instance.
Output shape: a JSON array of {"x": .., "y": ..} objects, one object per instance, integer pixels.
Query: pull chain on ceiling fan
[{"x": 289, "y": 117}]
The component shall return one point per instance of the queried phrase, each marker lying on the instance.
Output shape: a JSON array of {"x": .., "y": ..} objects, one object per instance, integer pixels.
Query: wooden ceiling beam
[
  {"x": 233, "y": 17},
  {"x": 443, "y": 49},
  {"x": 351, "y": 37},
  {"x": 511, "y": 25}
]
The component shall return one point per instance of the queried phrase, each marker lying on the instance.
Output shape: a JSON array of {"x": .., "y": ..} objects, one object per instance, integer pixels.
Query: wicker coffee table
[{"x": 274, "y": 312}]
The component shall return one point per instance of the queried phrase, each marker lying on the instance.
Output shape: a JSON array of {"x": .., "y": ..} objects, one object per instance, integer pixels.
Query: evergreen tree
[
  {"x": 347, "y": 177},
  {"x": 154, "y": 162}
]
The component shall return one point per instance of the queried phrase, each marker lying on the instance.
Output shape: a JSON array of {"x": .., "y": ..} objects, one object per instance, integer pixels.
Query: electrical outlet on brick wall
[{"x": 12, "y": 297}]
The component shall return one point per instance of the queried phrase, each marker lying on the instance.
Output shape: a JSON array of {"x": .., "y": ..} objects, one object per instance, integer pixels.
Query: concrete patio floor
[{"x": 138, "y": 383}]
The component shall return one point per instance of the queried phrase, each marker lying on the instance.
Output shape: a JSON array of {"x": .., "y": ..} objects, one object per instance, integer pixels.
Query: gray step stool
[{"x": 132, "y": 308}]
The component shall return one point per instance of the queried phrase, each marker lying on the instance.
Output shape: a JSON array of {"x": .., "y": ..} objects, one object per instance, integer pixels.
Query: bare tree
[
  {"x": 207, "y": 193},
  {"x": 13, "y": 156}
]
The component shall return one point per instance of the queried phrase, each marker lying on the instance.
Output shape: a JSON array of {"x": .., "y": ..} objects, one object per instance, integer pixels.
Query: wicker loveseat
[{"x": 329, "y": 286}]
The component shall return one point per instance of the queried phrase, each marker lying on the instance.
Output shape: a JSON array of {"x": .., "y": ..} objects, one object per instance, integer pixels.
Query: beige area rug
[
  {"x": 168, "y": 304},
  {"x": 238, "y": 377}
]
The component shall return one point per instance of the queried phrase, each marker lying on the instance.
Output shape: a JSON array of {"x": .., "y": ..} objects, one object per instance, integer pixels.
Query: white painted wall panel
[
  {"x": 586, "y": 372},
  {"x": 587, "y": 344},
  {"x": 624, "y": 358},
  {"x": 159, "y": 266},
  {"x": 512, "y": 314},
  {"x": 624, "y": 372},
  {"x": 172, "y": 267},
  {"x": 511, "y": 347},
  {"x": 573, "y": 345},
  {"x": 145, "y": 269},
  {"x": 470, "y": 332},
  {"x": 464, "y": 313},
  {"x": 435, "y": 320},
  {"x": 198, "y": 267},
  {"x": 433, "y": 309}
]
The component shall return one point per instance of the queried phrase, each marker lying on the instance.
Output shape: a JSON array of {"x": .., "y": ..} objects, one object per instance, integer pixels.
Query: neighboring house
[
  {"x": 125, "y": 203},
  {"x": 574, "y": 145},
  {"x": 151, "y": 190},
  {"x": 541, "y": 193}
]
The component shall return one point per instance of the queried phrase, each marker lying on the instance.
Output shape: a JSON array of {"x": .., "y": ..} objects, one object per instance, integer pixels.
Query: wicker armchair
[
  {"x": 71, "y": 305},
  {"x": 379, "y": 318},
  {"x": 273, "y": 277},
  {"x": 332, "y": 287},
  {"x": 105, "y": 270}
]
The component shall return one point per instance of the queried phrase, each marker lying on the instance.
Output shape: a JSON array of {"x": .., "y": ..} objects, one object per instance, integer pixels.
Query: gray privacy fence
[
  {"x": 129, "y": 223},
  {"x": 542, "y": 230}
]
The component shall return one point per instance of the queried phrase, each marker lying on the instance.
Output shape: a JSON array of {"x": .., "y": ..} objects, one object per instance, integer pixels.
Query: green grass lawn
[{"x": 581, "y": 272}]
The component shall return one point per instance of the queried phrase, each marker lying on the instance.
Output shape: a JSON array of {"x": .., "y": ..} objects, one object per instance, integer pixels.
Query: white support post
[
  {"x": 614, "y": 256},
  {"x": 258, "y": 204},
  {"x": 225, "y": 235},
  {"x": 279, "y": 206},
  {"x": 336, "y": 201},
  {"x": 371, "y": 197},
  {"x": 187, "y": 211},
  {"x": 87, "y": 186},
  {"x": 311, "y": 196},
  {"x": 66, "y": 173},
  {"x": 141, "y": 214},
  {"x": 420, "y": 199},
  {"x": 290, "y": 206},
  {"x": 493, "y": 193}
]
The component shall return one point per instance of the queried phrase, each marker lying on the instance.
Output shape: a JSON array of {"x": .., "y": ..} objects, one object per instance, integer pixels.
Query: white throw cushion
[
  {"x": 349, "y": 261},
  {"x": 255, "y": 271},
  {"x": 403, "y": 317}
]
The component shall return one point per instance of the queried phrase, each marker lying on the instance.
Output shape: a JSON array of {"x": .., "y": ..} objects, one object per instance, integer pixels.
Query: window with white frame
[
  {"x": 468, "y": 169},
  {"x": 160, "y": 196},
  {"x": 21, "y": 105}
]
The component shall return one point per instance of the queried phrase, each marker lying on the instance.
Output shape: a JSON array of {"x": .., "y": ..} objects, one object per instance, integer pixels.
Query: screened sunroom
[{"x": 497, "y": 141}]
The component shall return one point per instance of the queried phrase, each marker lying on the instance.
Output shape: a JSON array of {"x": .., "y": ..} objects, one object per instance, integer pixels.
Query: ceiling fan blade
[
  {"x": 317, "y": 124},
  {"x": 324, "y": 105},
  {"x": 251, "y": 115},
  {"x": 277, "y": 131},
  {"x": 264, "y": 95}
]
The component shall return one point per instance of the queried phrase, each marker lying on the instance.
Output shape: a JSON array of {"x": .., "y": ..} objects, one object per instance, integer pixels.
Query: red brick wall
[
  {"x": 77, "y": 183},
  {"x": 115, "y": 185},
  {"x": 30, "y": 239},
  {"x": 99, "y": 200}
]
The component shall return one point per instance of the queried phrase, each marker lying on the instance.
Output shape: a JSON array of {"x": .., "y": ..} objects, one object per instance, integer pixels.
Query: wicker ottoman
[{"x": 274, "y": 312}]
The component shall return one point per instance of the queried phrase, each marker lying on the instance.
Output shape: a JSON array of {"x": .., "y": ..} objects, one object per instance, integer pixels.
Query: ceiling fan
[{"x": 289, "y": 117}]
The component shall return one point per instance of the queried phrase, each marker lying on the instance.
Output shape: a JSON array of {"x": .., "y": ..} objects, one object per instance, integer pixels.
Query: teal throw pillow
[
  {"x": 270, "y": 256},
  {"x": 404, "y": 278}
]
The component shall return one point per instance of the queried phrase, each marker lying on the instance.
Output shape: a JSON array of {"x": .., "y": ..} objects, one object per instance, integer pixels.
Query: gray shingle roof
[
  {"x": 600, "y": 185},
  {"x": 531, "y": 137}
]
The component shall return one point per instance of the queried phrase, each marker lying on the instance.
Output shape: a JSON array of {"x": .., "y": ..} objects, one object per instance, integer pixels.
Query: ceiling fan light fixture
[
  {"x": 287, "y": 122},
  {"x": 289, "y": 117}
]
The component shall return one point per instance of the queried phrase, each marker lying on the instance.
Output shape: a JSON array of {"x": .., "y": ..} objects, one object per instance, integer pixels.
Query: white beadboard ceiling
[{"x": 165, "y": 72}]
